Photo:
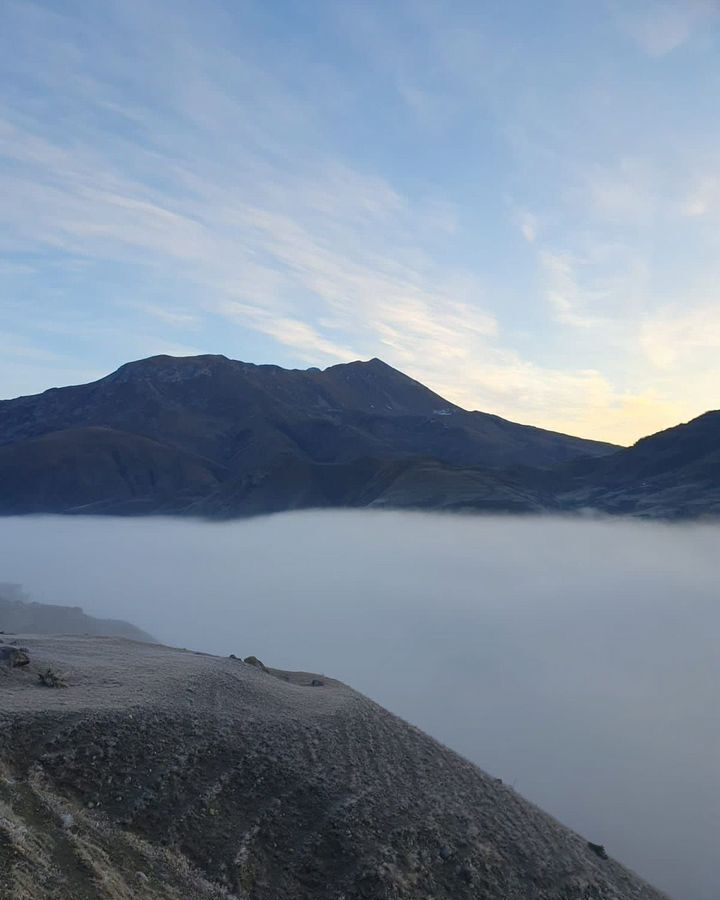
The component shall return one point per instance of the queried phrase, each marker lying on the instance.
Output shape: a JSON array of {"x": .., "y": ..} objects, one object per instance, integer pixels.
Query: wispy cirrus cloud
[
  {"x": 703, "y": 197},
  {"x": 676, "y": 335},
  {"x": 569, "y": 301},
  {"x": 660, "y": 26}
]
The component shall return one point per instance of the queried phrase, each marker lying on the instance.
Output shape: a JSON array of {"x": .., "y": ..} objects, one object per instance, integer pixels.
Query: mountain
[
  {"x": 159, "y": 773},
  {"x": 672, "y": 474},
  {"x": 213, "y": 436},
  {"x": 20, "y": 614}
]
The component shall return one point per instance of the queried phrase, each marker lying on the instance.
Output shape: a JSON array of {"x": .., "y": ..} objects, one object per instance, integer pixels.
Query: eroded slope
[{"x": 167, "y": 773}]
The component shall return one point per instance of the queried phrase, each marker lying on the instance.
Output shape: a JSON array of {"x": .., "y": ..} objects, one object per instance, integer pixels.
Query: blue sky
[{"x": 516, "y": 203}]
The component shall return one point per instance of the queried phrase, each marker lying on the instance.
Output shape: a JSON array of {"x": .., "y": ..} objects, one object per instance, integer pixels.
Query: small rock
[
  {"x": 12, "y": 657},
  {"x": 598, "y": 850},
  {"x": 254, "y": 661},
  {"x": 67, "y": 820},
  {"x": 465, "y": 874},
  {"x": 445, "y": 853},
  {"x": 316, "y": 682}
]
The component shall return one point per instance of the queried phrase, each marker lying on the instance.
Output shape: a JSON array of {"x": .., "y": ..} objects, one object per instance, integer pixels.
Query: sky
[{"x": 516, "y": 203}]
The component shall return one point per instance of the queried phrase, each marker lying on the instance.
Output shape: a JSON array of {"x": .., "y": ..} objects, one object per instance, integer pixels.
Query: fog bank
[{"x": 576, "y": 660}]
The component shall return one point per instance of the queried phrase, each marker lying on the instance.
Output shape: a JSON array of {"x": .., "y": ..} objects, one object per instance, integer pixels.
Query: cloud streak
[{"x": 660, "y": 26}]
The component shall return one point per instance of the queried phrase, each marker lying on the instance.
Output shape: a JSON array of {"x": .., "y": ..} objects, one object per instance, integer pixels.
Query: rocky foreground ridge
[{"x": 152, "y": 772}]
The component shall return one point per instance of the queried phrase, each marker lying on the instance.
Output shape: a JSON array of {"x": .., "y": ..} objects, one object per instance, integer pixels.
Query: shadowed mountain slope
[
  {"x": 160, "y": 773},
  {"x": 82, "y": 469},
  {"x": 202, "y": 434},
  {"x": 672, "y": 474}
]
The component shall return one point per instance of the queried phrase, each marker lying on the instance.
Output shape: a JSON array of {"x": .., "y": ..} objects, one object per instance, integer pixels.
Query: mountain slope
[
  {"x": 672, "y": 474},
  {"x": 415, "y": 483},
  {"x": 237, "y": 414},
  {"x": 160, "y": 773},
  {"x": 92, "y": 469},
  {"x": 194, "y": 434}
]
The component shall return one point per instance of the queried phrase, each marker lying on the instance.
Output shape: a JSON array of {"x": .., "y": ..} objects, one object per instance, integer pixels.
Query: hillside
[
  {"x": 672, "y": 474},
  {"x": 209, "y": 435},
  {"x": 18, "y": 613},
  {"x": 161, "y": 773}
]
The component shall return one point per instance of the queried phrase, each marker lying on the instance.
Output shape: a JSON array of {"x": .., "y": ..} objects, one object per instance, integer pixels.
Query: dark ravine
[
  {"x": 214, "y": 437},
  {"x": 162, "y": 773}
]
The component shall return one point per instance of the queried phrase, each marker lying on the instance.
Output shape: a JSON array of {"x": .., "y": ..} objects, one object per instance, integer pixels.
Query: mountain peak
[
  {"x": 163, "y": 364},
  {"x": 377, "y": 363},
  {"x": 368, "y": 364},
  {"x": 166, "y": 368}
]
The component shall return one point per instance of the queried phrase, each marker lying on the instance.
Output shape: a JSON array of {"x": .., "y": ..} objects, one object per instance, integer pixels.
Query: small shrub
[{"x": 50, "y": 678}]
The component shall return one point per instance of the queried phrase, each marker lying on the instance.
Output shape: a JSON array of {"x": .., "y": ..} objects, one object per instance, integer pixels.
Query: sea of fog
[{"x": 576, "y": 660}]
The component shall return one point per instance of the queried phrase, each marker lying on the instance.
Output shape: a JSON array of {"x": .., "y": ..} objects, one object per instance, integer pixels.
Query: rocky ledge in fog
[{"x": 18, "y": 613}]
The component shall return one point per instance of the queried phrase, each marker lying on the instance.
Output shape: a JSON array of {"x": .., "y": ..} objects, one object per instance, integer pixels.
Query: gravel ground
[{"x": 164, "y": 773}]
